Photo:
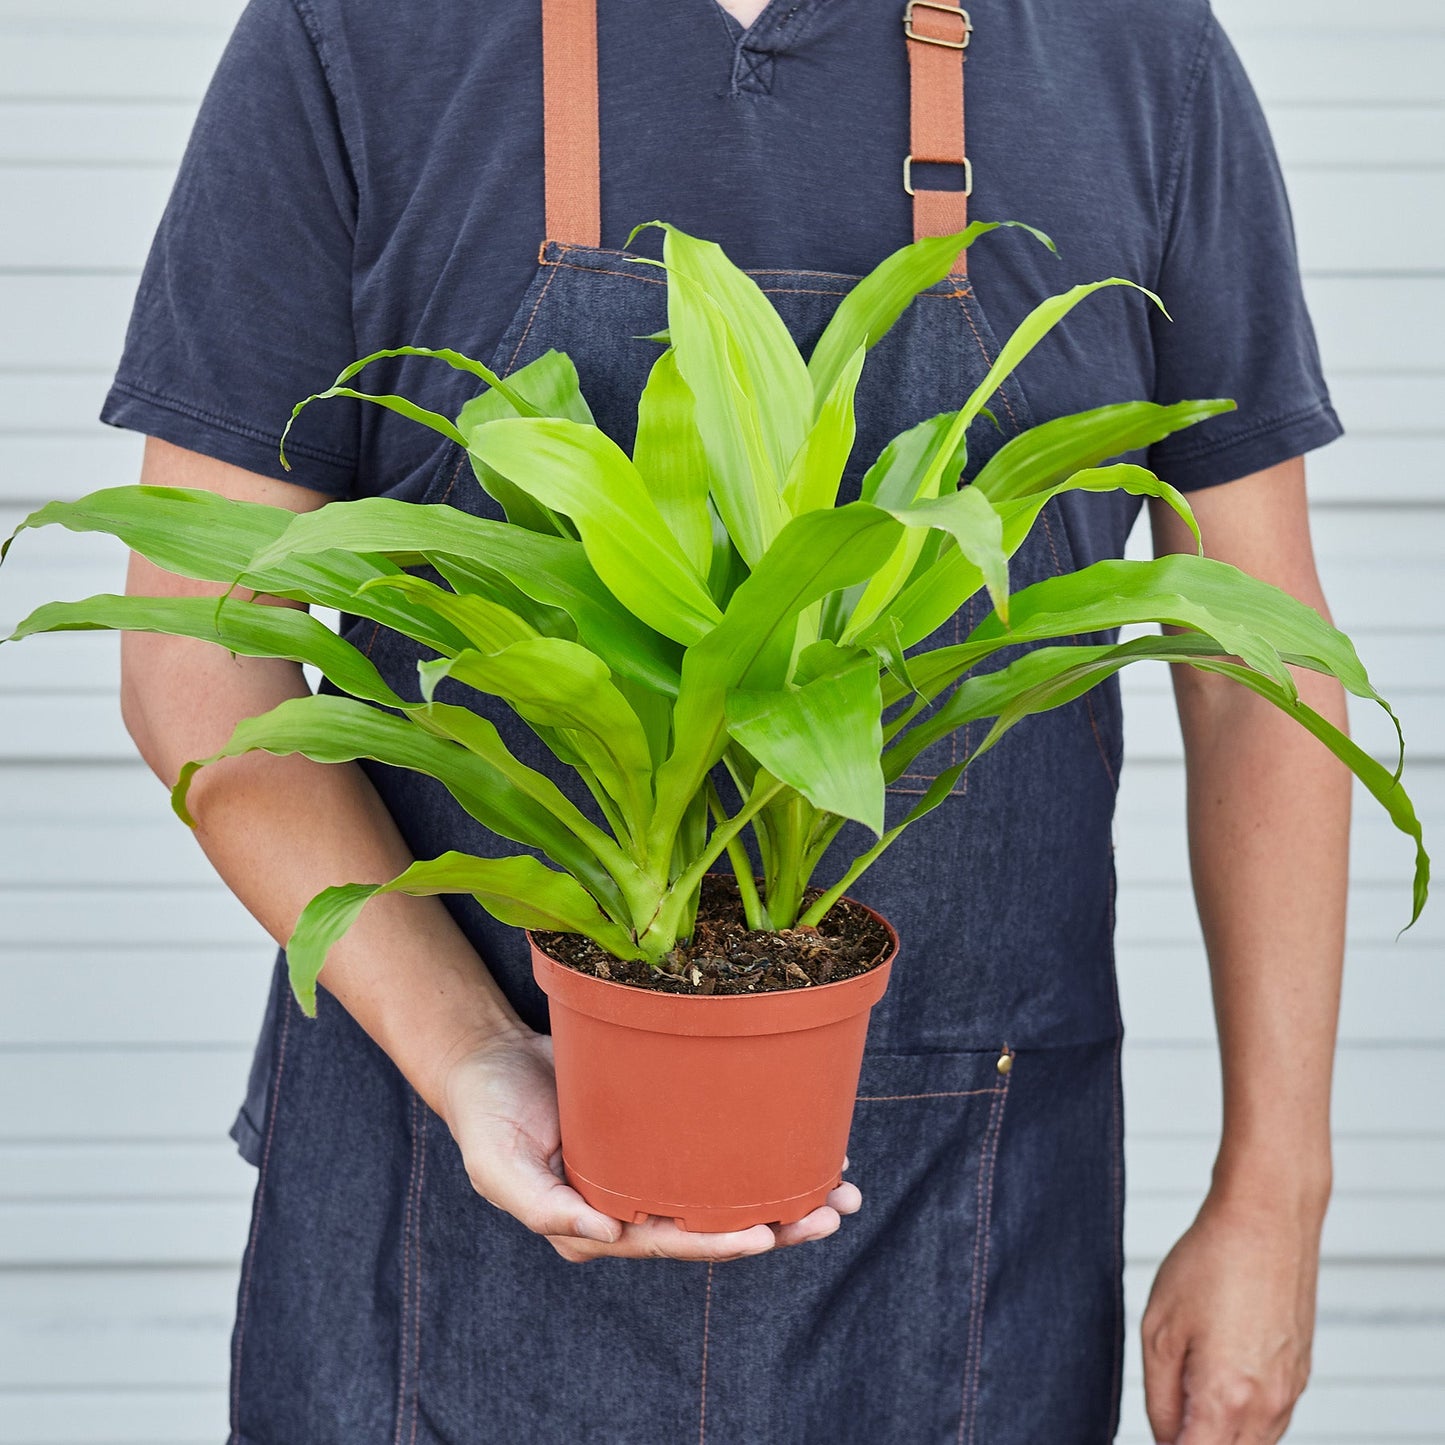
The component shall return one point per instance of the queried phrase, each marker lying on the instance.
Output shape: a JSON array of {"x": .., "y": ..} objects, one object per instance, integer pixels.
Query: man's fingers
[
  {"x": 822, "y": 1222},
  {"x": 1223, "y": 1407},
  {"x": 532, "y": 1192},
  {"x": 1163, "y": 1381},
  {"x": 846, "y": 1199},
  {"x": 658, "y": 1238}
]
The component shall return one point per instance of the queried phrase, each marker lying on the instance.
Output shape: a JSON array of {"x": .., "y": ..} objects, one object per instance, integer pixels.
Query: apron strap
[
  {"x": 571, "y": 155},
  {"x": 937, "y": 34}
]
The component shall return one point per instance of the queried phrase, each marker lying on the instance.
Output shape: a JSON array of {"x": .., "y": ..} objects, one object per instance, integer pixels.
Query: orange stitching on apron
[
  {"x": 456, "y": 472},
  {"x": 273, "y": 1102},
  {"x": 771, "y": 290},
  {"x": 988, "y": 360},
  {"x": 972, "y": 1370},
  {"x": 702, "y": 1390},
  {"x": 604, "y": 271},
  {"x": 1116, "y": 1150},
  {"x": 904, "y": 1098},
  {"x": 531, "y": 317},
  {"x": 401, "y": 1384},
  {"x": 416, "y": 1319}
]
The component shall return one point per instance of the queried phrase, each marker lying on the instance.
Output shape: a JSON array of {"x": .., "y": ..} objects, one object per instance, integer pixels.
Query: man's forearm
[
  {"x": 1269, "y": 829},
  {"x": 280, "y": 829}
]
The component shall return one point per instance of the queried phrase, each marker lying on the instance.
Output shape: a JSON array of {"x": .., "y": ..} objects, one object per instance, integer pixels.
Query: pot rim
[{"x": 773, "y": 1011}]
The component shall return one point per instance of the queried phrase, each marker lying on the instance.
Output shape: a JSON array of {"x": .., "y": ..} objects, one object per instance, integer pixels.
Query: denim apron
[{"x": 977, "y": 1295}]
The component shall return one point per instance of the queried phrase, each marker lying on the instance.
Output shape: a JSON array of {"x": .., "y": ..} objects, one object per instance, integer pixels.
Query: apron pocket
[{"x": 876, "y": 1333}]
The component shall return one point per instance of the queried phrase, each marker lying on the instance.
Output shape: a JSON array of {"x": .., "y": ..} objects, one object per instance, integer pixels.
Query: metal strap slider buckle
[
  {"x": 912, "y": 34},
  {"x": 967, "y": 174}
]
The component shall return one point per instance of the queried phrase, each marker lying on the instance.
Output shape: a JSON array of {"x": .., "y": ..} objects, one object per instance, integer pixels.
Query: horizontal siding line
[
  {"x": 166, "y": 886},
  {"x": 1401, "y": 168},
  {"x": 1197, "y": 1136},
  {"x": 119, "y": 1387},
  {"x": 118, "y": 1266},
  {"x": 13, "y": 1050},
  {"x": 109, "y": 163},
  {"x": 228, "y": 1196},
  {"x": 191, "y": 100},
  {"x": 106, "y": 1141},
  {"x": 1345, "y": 1045},
  {"x": 1322, "y": 102},
  {"x": 1139, "y": 1191},
  {"x": 24, "y": 272}
]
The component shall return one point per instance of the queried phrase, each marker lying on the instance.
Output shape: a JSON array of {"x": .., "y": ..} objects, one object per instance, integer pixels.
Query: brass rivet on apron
[{"x": 1005, "y": 1060}]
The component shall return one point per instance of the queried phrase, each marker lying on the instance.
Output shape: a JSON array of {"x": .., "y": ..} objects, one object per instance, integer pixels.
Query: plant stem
[
  {"x": 818, "y": 911},
  {"x": 663, "y": 928},
  {"x": 753, "y": 910}
]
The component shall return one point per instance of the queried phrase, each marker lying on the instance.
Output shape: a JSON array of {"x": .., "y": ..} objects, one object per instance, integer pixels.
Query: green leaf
[
  {"x": 551, "y": 385},
  {"x": 746, "y": 479},
  {"x": 1045, "y": 455},
  {"x": 482, "y": 776},
  {"x": 894, "y": 479},
  {"x": 1031, "y": 330},
  {"x": 254, "y": 629},
  {"x": 557, "y": 684},
  {"x": 823, "y": 738},
  {"x": 400, "y": 404},
  {"x": 518, "y": 891},
  {"x": 865, "y": 315},
  {"x": 989, "y": 694},
  {"x": 486, "y": 625},
  {"x": 581, "y": 472},
  {"x": 553, "y": 570},
  {"x": 548, "y": 385},
  {"x": 196, "y": 533},
  {"x": 1051, "y": 677},
  {"x": 1235, "y": 613},
  {"x": 818, "y": 465},
  {"x": 672, "y": 460},
  {"x": 1382, "y": 784},
  {"x": 935, "y": 593},
  {"x": 968, "y": 518},
  {"x": 1246, "y": 616},
  {"x": 769, "y": 366},
  {"x": 751, "y": 648}
]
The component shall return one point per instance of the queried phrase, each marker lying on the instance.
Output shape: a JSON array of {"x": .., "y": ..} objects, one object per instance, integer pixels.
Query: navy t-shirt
[{"x": 365, "y": 174}]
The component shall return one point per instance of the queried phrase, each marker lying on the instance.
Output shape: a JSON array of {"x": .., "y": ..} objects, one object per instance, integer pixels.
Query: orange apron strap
[
  {"x": 938, "y": 34},
  {"x": 569, "y": 121}
]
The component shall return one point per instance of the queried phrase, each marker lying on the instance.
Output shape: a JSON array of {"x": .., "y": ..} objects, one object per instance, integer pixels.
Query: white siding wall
[{"x": 130, "y": 983}]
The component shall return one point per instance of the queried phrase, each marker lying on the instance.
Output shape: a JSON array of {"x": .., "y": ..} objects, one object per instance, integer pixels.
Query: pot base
[{"x": 701, "y": 1218}]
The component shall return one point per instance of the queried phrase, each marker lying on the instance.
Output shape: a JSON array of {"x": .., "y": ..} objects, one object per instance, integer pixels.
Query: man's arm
[
  {"x": 1228, "y": 1329},
  {"x": 280, "y": 829}
]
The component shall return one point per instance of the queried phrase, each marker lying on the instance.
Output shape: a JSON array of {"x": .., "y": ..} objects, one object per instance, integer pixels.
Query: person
[{"x": 364, "y": 175}]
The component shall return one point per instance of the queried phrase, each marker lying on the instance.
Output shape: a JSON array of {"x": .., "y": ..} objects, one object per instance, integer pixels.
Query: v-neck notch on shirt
[{"x": 778, "y": 29}]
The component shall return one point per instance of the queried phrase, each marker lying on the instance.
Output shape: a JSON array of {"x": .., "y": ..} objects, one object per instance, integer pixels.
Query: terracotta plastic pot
[{"x": 721, "y": 1111}]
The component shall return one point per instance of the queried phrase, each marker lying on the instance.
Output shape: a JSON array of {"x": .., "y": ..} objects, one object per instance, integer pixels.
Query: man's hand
[
  {"x": 1229, "y": 1324},
  {"x": 501, "y": 1106}
]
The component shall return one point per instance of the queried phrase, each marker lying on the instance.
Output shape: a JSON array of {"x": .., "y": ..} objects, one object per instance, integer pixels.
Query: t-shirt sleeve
[
  {"x": 244, "y": 306},
  {"x": 1230, "y": 278}
]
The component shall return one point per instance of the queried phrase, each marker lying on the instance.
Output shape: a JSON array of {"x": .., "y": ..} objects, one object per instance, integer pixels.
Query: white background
[{"x": 131, "y": 984}]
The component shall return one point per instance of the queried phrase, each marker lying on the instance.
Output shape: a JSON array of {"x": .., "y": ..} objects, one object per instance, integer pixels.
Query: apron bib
[{"x": 976, "y": 1297}]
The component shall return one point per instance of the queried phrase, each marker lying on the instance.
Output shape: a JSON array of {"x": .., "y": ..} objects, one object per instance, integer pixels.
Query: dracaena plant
[{"x": 700, "y": 610}]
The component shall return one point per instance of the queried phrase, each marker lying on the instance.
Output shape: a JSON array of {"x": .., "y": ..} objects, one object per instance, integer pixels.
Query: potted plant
[{"x": 717, "y": 650}]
